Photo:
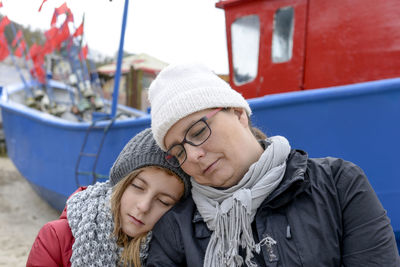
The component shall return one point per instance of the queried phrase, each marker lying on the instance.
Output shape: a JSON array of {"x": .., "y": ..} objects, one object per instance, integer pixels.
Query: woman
[
  {"x": 255, "y": 202},
  {"x": 109, "y": 224}
]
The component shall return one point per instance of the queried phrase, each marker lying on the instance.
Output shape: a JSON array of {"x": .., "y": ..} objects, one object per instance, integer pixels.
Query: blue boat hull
[{"x": 357, "y": 122}]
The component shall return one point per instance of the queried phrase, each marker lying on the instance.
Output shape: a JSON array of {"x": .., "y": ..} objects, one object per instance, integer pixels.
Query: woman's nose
[{"x": 194, "y": 153}]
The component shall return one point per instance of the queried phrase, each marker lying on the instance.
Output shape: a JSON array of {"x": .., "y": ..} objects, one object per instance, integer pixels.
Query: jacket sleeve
[
  {"x": 368, "y": 238},
  {"x": 48, "y": 248},
  {"x": 166, "y": 249}
]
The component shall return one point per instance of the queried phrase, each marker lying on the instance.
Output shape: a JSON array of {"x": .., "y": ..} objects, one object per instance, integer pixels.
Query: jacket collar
[{"x": 294, "y": 181}]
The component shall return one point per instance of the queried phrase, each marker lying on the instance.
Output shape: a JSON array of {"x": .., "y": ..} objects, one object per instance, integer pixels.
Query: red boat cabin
[{"x": 277, "y": 46}]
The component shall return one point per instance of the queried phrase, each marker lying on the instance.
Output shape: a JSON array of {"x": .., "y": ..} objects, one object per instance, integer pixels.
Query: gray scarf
[
  {"x": 229, "y": 213},
  {"x": 91, "y": 222}
]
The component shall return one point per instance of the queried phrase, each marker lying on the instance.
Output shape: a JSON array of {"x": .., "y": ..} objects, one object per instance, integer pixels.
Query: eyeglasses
[{"x": 196, "y": 135}]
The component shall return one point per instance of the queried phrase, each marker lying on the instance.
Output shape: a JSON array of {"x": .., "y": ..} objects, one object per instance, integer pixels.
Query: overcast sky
[{"x": 170, "y": 30}]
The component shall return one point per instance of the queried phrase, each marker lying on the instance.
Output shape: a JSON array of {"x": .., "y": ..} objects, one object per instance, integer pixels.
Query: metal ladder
[{"x": 82, "y": 153}]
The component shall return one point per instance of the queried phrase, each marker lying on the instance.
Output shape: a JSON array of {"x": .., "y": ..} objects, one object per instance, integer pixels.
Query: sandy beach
[{"x": 22, "y": 214}]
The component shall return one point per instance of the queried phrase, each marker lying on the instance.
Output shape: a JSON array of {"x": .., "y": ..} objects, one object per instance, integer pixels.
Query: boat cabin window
[
  {"x": 245, "y": 32},
  {"x": 282, "y": 38}
]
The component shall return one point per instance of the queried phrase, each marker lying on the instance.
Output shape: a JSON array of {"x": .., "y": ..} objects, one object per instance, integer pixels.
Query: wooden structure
[{"x": 138, "y": 71}]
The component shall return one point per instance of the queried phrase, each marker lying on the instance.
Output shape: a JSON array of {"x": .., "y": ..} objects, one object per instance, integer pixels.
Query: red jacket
[{"x": 53, "y": 244}]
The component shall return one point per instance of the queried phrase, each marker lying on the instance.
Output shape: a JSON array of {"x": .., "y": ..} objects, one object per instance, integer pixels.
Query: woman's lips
[
  {"x": 210, "y": 167},
  {"x": 136, "y": 221}
]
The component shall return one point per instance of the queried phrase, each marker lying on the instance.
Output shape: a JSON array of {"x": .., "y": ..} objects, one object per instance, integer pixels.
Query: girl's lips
[{"x": 136, "y": 221}]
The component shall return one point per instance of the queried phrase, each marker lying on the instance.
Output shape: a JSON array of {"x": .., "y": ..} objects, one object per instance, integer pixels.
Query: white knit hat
[{"x": 183, "y": 89}]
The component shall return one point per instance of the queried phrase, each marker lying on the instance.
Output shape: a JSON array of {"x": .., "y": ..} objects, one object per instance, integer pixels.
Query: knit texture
[
  {"x": 90, "y": 219},
  {"x": 144, "y": 249},
  {"x": 180, "y": 90},
  {"x": 142, "y": 151},
  {"x": 91, "y": 222}
]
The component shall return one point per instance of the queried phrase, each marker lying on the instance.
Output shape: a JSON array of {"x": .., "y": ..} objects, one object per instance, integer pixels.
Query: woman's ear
[{"x": 242, "y": 116}]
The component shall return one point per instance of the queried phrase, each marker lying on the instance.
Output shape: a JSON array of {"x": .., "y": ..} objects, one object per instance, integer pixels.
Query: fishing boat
[{"x": 319, "y": 79}]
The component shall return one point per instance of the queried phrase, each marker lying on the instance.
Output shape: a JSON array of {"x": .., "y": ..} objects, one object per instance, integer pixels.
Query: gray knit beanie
[
  {"x": 142, "y": 151},
  {"x": 182, "y": 89}
]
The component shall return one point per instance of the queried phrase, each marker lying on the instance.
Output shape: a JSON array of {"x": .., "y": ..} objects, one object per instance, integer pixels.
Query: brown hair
[
  {"x": 258, "y": 134},
  {"x": 131, "y": 245}
]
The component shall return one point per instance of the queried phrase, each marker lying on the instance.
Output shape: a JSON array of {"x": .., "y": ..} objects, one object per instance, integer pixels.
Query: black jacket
[{"x": 324, "y": 213}]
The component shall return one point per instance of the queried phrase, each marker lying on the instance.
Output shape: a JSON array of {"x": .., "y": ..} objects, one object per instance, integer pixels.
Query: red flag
[
  {"x": 40, "y": 8},
  {"x": 51, "y": 33},
  {"x": 50, "y": 37},
  {"x": 4, "y": 22},
  {"x": 20, "y": 49},
  {"x": 36, "y": 54},
  {"x": 79, "y": 31},
  {"x": 54, "y": 19},
  {"x": 83, "y": 53},
  {"x": 63, "y": 9},
  {"x": 47, "y": 48},
  {"x": 38, "y": 72},
  {"x": 70, "y": 16},
  {"x": 1, "y": 3},
  {"x": 3, "y": 47},
  {"x": 16, "y": 38},
  {"x": 62, "y": 35}
]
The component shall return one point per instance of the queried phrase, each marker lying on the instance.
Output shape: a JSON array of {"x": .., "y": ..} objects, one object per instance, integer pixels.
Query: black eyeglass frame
[{"x": 175, "y": 162}]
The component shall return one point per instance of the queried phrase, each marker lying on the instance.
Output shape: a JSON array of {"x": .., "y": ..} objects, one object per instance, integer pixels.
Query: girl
[{"x": 109, "y": 224}]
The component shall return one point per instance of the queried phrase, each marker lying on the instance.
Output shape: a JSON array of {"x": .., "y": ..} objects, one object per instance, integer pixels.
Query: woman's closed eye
[
  {"x": 180, "y": 154},
  {"x": 198, "y": 133}
]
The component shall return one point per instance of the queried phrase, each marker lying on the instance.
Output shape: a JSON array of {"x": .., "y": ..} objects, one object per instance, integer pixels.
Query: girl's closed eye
[
  {"x": 136, "y": 186},
  {"x": 165, "y": 202}
]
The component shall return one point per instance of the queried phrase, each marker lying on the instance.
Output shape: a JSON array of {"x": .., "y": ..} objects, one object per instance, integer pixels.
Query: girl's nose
[{"x": 144, "y": 204}]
